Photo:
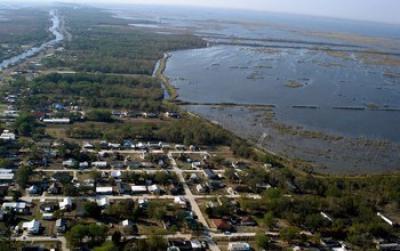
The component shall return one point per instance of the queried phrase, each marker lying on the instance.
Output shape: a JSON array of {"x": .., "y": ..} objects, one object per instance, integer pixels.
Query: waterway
[{"x": 55, "y": 29}]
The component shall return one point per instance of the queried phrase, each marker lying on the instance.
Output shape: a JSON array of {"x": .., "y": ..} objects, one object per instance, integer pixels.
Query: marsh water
[
  {"x": 330, "y": 88},
  {"x": 54, "y": 29}
]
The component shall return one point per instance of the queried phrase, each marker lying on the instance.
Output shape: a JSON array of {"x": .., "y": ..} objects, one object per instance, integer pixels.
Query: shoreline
[{"x": 296, "y": 163}]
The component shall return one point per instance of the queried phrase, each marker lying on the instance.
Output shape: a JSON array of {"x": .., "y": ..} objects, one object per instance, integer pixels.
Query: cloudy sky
[{"x": 374, "y": 10}]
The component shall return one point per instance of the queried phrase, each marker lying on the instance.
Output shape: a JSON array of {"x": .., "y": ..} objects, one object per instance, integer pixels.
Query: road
[{"x": 27, "y": 238}]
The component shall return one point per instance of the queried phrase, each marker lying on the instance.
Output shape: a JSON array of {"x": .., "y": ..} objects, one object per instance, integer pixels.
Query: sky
[{"x": 387, "y": 11}]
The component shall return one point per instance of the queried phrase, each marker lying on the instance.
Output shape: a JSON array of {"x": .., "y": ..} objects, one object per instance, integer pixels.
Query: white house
[
  {"x": 102, "y": 201},
  {"x": 138, "y": 189},
  {"x": 7, "y": 135},
  {"x": 180, "y": 200},
  {"x": 6, "y": 175},
  {"x": 48, "y": 216},
  {"x": 69, "y": 163},
  {"x": 116, "y": 174},
  {"x": 32, "y": 227},
  {"x": 83, "y": 165},
  {"x": 100, "y": 164},
  {"x": 104, "y": 190},
  {"x": 66, "y": 204},
  {"x": 154, "y": 189},
  {"x": 239, "y": 246},
  {"x": 57, "y": 121}
]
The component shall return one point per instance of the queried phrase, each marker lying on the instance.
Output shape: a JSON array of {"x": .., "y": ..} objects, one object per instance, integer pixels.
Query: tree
[
  {"x": 25, "y": 124},
  {"x": 269, "y": 219},
  {"x": 94, "y": 233},
  {"x": 22, "y": 176},
  {"x": 107, "y": 246},
  {"x": 116, "y": 238},
  {"x": 262, "y": 241},
  {"x": 289, "y": 234},
  {"x": 157, "y": 243},
  {"x": 91, "y": 209}
]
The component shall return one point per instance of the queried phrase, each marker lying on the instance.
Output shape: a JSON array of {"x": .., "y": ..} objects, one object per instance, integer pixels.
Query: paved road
[{"x": 195, "y": 207}]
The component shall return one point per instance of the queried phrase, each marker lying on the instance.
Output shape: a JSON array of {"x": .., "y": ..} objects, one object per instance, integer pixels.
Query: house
[
  {"x": 87, "y": 146},
  {"x": 194, "y": 178},
  {"x": 239, "y": 246},
  {"x": 154, "y": 189},
  {"x": 143, "y": 202},
  {"x": 122, "y": 188},
  {"x": 173, "y": 115},
  {"x": 48, "y": 216},
  {"x": 116, "y": 174},
  {"x": 201, "y": 188},
  {"x": 32, "y": 227},
  {"x": 33, "y": 190},
  {"x": 104, "y": 190},
  {"x": 66, "y": 204},
  {"x": 114, "y": 145},
  {"x": 248, "y": 221},
  {"x": 117, "y": 165},
  {"x": 6, "y": 135},
  {"x": 56, "y": 120},
  {"x": 69, "y": 163},
  {"x": 222, "y": 225},
  {"x": 6, "y": 176},
  {"x": 196, "y": 164},
  {"x": 48, "y": 207},
  {"x": 102, "y": 201},
  {"x": 181, "y": 201},
  {"x": 332, "y": 244},
  {"x": 138, "y": 189},
  {"x": 61, "y": 226},
  {"x": 126, "y": 223},
  {"x": 100, "y": 164},
  {"x": 53, "y": 189},
  {"x": 18, "y": 207},
  {"x": 210, "y": 174},
  {"x": 133, "y": 164},
  {"x": 83, "y": 165}
]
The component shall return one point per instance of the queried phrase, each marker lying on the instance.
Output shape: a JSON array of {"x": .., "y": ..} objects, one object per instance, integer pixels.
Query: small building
[
  {"x": 102, "y": 201},
  {"x": 6, "y": 176},
  {"x": 154, "y": 189},
  {"x": 61, "y": 226},
  {"x": 116, "y": 174},
  {"x": 210, "y": 174},
  {"x": 56, "y": 120},
  {"x": 104, "y": 190},
  {"x": 66, "y": 204},
  {"x": 100, "y": 164},
  {"x": 83, "y": 165},
  {"x": 70, "y": 163},
  {"x": 138, "y": 189},
  {"x": 48, "y": 216},
  {"x": 239, "y": 246},
  {"x": 32, "y": 190},
  {"x": 32, "y": 227},
  {"x": 6, "y": 135},
  {"x": 222, "y": 225},
  {"x": 181, "y": 201}
]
